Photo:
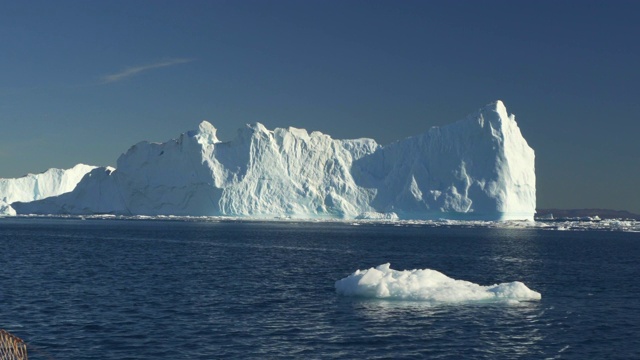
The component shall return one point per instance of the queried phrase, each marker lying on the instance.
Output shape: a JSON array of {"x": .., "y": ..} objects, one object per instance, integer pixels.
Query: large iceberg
[
  {"x": 32, "y": 187},
  {"x": 478, "y": 168}
]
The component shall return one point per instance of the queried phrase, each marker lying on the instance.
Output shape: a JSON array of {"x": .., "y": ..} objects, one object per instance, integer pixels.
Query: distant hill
[{"x": 602, "y": 213}]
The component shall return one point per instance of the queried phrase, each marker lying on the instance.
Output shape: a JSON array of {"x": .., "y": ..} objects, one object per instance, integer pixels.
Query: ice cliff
[
  {"x": 32, "y": 187},
  {"x": 477, "y": 168}
]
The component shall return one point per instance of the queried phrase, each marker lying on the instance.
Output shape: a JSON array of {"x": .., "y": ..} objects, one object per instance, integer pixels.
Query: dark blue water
[{"x": 113, "y": 289}]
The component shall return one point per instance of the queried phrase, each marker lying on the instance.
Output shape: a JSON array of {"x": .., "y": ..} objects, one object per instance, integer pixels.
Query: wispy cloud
[{"x": 135, "y": 70}]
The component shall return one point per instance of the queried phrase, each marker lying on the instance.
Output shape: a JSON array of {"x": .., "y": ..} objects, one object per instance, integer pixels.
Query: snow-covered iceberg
[
  {"x": 32, "y": 187},
  {"x": 428, "y": 285},
  {"x": 477, "y": 168}
]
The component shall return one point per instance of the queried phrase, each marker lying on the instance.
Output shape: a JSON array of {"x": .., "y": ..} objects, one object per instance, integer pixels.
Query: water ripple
[{"x": 118, "y": 289}]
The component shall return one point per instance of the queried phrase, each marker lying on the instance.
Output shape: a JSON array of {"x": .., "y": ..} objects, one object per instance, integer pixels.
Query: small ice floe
[{"x": 428, "y": 285}]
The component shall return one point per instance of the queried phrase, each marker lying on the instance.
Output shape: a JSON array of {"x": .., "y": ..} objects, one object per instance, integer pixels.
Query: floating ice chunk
[{"x": 428, "y": 285}]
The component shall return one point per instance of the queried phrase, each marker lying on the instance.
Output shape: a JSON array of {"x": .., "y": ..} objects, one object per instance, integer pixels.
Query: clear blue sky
[{"x": 81, "y": 81}]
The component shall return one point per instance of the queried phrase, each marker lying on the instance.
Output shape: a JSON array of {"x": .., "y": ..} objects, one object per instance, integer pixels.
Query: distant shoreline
[{"x": 601, "y": 213}]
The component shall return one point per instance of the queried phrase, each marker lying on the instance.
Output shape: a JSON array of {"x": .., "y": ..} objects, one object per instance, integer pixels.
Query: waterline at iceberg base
[{"x": 479, "y": 168}]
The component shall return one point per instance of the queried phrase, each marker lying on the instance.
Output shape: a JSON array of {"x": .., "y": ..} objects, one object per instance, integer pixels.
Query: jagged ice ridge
[
  {"x": 32, "y": 187},
  {"x": 477, "y": 168}
]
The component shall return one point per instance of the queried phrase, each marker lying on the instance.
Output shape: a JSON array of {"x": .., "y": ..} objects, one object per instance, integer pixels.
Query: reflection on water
[{"x": 494, "y": 330}]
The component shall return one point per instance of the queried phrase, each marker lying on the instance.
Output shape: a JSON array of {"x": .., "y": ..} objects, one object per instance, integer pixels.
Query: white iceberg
[
  {"x": 31, "y": 187},
  {"x": 477, "y": 168},
  {"x": 428, "y": 285}
]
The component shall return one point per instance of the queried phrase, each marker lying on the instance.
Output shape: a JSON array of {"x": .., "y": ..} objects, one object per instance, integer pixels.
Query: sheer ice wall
[{"x": 32, "y": 187}]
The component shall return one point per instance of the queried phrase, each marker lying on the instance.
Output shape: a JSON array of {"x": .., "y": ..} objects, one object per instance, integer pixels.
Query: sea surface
[{"x": 158, "y": 289}]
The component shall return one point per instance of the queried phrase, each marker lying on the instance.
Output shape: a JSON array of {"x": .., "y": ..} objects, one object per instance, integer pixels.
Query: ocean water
[{"x": 138, "y": 289}]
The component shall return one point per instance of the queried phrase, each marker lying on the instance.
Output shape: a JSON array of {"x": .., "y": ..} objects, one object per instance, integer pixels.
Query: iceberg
[
  {"x": 33, "y": 187},
  {"x": 479, "y": 168},
  {"x": 429, "y": 286}
]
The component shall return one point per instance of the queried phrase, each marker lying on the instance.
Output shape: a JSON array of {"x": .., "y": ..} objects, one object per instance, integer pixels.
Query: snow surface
[
  {"x": 428, "y": 285},
  {"x": 477, "y": 168},
  {"x": 32, "y": 187}
]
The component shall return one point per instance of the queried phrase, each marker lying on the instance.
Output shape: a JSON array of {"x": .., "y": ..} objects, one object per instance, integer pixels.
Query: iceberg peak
[
  {"x": 493, "y": 107},
  {"x": 494, "y": 118},
  {"x": 258, "y": 127},
  {"x": 249, "y": 130},
  {"x": 497, "y": 105},
  {"x": 207, "y": 133},
  {"x": 493, "y": 110}
]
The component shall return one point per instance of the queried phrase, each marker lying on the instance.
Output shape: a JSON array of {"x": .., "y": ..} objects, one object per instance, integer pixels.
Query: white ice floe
[{"x": 428, "y": 285}]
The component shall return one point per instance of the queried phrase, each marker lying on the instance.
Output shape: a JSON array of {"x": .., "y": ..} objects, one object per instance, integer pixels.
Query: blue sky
[{"x": 81, "y": 81}]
